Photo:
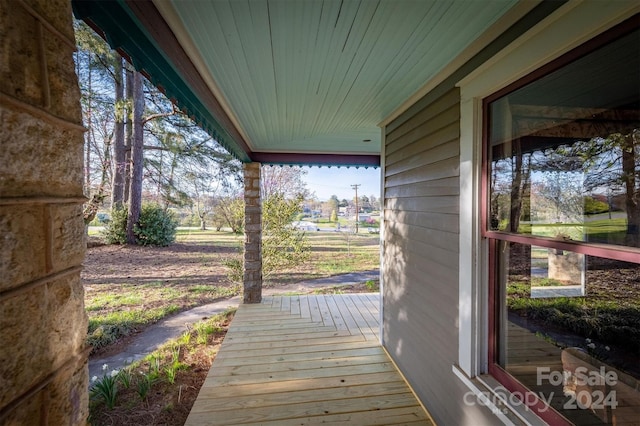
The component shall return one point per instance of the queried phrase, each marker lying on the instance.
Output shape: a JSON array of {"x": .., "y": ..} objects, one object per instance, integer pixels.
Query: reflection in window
[
  {"x": 563, "y": 157},
  {"x": 565, "y": 151},
  {"x": 589, "y": 317},
  {"x": 584, "y": 191}
]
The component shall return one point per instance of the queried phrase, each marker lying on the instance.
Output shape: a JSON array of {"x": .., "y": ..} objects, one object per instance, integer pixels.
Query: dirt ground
[
  {"x": 180, "y": 262},
  {"x": 111, "y": 268}
]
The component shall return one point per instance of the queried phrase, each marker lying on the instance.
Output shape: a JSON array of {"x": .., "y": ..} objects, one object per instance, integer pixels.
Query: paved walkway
[{"x": 170, "y": 328}]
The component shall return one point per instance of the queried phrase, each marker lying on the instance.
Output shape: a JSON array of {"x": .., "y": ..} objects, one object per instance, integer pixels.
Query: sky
[{"x": 325, "y": 181}]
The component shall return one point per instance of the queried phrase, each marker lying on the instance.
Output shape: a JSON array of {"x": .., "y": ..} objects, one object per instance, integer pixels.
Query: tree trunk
[
  {"x": 89, "y": 125},
  {"x": 137, "y": 158},
  {"x": 631, "y": 196},
  {"x": 128, "y": 134},
  {"x": 516, "y": 189},
  {"x": 119, "y": 153}
]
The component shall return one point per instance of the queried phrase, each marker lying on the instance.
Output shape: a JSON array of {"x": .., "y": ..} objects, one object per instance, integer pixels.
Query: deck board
[{"x": 302, "y": 360}]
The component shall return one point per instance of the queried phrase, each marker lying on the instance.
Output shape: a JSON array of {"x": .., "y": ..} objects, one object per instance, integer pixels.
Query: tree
[
  {"x": 334, "y": 216},
  {"x": 282, "y": 245},
  {"x": 229, "y": 210},
  {"x": 119, "y": 149},
  {"x": 331, "y": 205},
  {"x": 614, "y": 162},
  {"x": 137, "y": 158},
  {"x": 154, "y": 145},
  {"x": 285, "y": 181},
  {"x": 93, "y": 61},
  {"x": 610, "y": 165}
]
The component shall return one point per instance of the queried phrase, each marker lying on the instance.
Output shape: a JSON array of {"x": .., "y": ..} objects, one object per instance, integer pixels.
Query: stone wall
[
  {"x": 43, "y": 372},
  {"x": 252, "y": 234}
]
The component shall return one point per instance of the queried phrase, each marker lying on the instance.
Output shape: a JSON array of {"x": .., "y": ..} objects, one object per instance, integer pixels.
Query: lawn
[
  {"x": 595, "y": 229},
  {"x": 129, "y": 288}
]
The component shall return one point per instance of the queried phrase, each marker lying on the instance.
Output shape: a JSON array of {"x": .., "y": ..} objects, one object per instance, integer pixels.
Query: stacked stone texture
[
  {"x": 252, "y": 234},
  {"x": 43, "y": 372}
]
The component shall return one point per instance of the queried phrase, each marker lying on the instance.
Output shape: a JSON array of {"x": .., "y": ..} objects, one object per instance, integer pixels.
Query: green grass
[
  {"x": 108, "y": 328},
  {"x": 166, "y": 371},
  {"x": 113, "y": 300},
  {"x": 597, "y": 317},
  {"x": 115, "y": 309},
  {"x": 330, "y": 256},
  {"x": 604, "y": 230},
  {"x": 209, "y": 236}
]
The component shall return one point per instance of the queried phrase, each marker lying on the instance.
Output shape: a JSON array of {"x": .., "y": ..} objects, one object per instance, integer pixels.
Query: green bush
[
  {"x": 283, "y": 246},
  {"x": 155, "y": 227},
  {"x": 115, "y": 232},
  {"x": 593, "y": 206}
]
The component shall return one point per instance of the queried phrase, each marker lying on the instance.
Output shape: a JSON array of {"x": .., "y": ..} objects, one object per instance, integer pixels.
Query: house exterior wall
[
  {"x": 434, "y": 261},
  {"x": 43, "y": 373},
  {"x": 421, "y": 214}
]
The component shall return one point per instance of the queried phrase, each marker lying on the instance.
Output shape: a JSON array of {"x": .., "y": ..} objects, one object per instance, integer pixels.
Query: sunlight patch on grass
[{"x": 108, "y": 328}]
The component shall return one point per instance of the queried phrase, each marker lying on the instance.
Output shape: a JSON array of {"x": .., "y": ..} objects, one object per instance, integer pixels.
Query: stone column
[
  {"x": 43, "y": 325},
  {"x": 252, "y": 234}
]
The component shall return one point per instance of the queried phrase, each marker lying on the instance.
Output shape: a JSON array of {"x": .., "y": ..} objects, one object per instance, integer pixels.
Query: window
[{"x": 562, "y": 185}]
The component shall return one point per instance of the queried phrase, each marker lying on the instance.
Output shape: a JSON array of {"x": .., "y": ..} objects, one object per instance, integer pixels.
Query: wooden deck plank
[
  {"x": 310, "y": 364},
  {"x": 338, "y": 320},
  {"x": 256, "y": 352},
  {"x": 298, "y": 385},
  {"x": 369, "y": 311},
  {"x": 393, "y": 416},
  {"x": 305, "y": 309},
  {"x": 295, "y": 305},
  {"x": 306, "y": 359},
  {"x": 351, "y": 323},
  {"x": 288, "y": 326},
  {"x": 327, "y": 318},
  {"x": 316, "y": 316},
  {"x": 269, "y": 377},
  {"x": 372, "y": 304},
  {"x": 368, "y": 325},
  {"x": 286, "y": 304},
  {"x": 326, "y": 332},
  {"x": 274, "y": 399},
  {"x": 291, "y": 343},
  {"x": 301, "y": 356},
  {"x": 309, "y": 409}
]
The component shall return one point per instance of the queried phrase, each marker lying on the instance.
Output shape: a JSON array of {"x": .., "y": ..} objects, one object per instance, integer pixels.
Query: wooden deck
[{"x": 309, "y": 359}]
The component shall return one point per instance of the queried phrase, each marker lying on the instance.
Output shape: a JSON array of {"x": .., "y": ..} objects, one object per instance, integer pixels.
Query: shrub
[
  {"x": 115, "y": 232},
  {"x": 155, "y": 227},
  {"x": 283, "y": 246},
  {"x": 593, "y": 206}
]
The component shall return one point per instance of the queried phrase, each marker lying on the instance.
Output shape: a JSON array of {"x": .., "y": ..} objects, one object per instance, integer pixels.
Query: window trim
[
  {"x": 568, "y": 27},
  {"x": 609, "y": 251}
]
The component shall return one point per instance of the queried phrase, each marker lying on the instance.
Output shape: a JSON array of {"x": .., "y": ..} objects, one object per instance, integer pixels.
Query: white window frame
[{"x": 568, "y": 27}]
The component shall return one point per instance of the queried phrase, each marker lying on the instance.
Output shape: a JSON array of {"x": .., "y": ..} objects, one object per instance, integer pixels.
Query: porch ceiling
[{"x": 301, "y": 77}]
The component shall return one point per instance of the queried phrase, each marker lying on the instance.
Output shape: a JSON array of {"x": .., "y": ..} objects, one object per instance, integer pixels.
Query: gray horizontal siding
[{"x": 421, "y": 212}]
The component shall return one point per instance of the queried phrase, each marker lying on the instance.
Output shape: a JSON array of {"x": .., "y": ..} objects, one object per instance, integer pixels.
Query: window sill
[{"x": 486, "y": 391}]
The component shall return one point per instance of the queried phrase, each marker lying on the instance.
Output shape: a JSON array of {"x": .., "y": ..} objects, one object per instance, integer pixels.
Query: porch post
[{"x": 252, "y": 234}]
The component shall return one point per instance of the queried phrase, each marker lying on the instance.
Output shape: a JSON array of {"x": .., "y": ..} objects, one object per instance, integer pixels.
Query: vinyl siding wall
[{"x": 421, "y": 213}]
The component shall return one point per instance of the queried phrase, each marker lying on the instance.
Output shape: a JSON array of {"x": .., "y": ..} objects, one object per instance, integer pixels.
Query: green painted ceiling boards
[{"x": 319, "y": 76}]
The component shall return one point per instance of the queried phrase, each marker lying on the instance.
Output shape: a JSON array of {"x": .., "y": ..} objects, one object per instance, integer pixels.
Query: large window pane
[
  {"x": 564, "y": 151},
  {"x": 569, "y": 330}
]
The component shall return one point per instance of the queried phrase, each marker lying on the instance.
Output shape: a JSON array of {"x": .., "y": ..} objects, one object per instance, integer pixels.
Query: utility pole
[{"x": 357, "y": 208}]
